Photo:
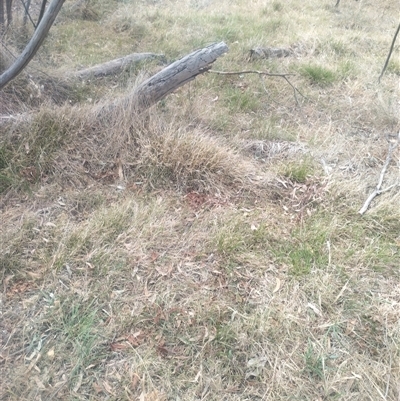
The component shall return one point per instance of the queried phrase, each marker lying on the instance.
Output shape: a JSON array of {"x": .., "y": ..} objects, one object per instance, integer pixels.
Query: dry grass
[{"x": 209, "y": 249}]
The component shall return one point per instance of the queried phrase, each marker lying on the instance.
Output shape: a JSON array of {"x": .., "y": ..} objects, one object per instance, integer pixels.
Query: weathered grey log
[
  {"x": 269, "y": 52},
  {"x": 116, "y": 66},
  {"x": 170, "y": 78}
]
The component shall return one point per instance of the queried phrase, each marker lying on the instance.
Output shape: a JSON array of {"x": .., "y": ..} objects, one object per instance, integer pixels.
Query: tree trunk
[
  {"x": 34, "y": 44},
  {"x": 9, "y": 11},
  {"x": 169, "y": 79},
  {"x": 115, "y": 66},
  {"x": 2, "y": 15},
  {"x": 26, "y": 13},
  {"x": 42, "y": 10}
]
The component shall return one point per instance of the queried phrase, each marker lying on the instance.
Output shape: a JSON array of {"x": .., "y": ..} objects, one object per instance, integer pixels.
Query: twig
[
  {"x": 377, "y": 191},
  {"x": 260, "y": 73},
  {"x": 26, "y": 7},
  {"x": 270, "y": 74},
  {"x": 390, "y": 53}
]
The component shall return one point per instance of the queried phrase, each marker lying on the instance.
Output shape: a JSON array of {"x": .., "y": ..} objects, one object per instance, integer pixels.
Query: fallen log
[
  {"x": 169, "y": 79},
  {"x": 269, "y": 52},
  {"x": 116, "y": 66}
]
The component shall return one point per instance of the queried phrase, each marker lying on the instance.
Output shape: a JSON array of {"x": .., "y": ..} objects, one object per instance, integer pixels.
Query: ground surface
[{"x": 210, "y": 248}]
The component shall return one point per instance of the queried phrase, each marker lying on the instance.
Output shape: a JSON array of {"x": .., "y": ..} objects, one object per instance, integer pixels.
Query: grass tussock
[
  {"x": 72, "y": 144},
  {"x": 211, "y": 247}
]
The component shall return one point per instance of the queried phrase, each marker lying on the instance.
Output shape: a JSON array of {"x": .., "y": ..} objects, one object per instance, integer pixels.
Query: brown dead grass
[{"x": 210, "y": 248}]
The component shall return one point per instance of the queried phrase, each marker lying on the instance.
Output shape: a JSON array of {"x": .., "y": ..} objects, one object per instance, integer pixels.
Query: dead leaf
[
  {"x": 314, "y": 308},
  {"x": 152, "y": 396},
  {"x": 50, "y": 353},
  {"x": 40, "y": 385},
  {"x": 135, "y": 381},
  {"x": 89, "y": 265},
  {"x": 35, "y": 276},
  {"x": 6, "y": 281},
  {"x": 135, "y": 339},
  {"x": 278, "y": 286},
  {"x": 120, "y": 171},
  {"x": 161, "y": 348},
  {"x": 256, "y": 365},
  {"x": 164, "y": 272},
  {"x": 108, "y": 388},
  {"x": 97, "y": 388},
  {"x": 78, "y": 383},
  {"x": 50, "y": 224},
  {"x": 118, "y": 346}
]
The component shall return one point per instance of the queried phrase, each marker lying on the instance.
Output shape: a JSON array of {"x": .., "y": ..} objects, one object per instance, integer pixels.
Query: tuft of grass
[
  {"x": 393, "y": 67},
  {"x": 238, "y": 100},
  {"x": 299, "y": 171},
  {"x": 75, "y": 327},
  {"x": 346, "y": 69},
  {"x": 306, "y": 251},
  {"x": 277, "y": 6},
  {"x": 318, "y": 75},
  {"x": 241, "y": 236},
  {"x": 5, "y": 180},
  {"x": 314, "y": 363}
]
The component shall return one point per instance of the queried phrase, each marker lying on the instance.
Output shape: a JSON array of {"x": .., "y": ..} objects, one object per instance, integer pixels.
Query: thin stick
[
  {"x": 26, "y": 7},
  {"x": 390, "y": 53},
  {"x": 377, "y": 191},
  {"x": 269, "y": 74},
  {"x": 248, "y": 72}
]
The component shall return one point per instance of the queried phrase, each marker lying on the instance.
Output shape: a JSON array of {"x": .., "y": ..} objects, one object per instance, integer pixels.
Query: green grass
[
  {"x": 238, "y": 100},
  {"x": 314, "y": 363},
  {"x": 318, "y": 75},
  {"x": 74, "y": 323},
  {"x": 393, "y": 67},
  {"x": 299, "y": 171}
]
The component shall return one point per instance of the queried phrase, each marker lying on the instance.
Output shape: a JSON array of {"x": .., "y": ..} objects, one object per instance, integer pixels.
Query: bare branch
[
  {"x": 270, "y": 74},
  {"x": 377, "y": 191},
  {"x": 34, "y": 44},
  {"x": 390, "y": 53},
  {"x": 261, "y": 73}
]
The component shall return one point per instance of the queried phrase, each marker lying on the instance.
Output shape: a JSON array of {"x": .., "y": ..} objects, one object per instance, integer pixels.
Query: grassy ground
[{"x": 211, "y": 248}]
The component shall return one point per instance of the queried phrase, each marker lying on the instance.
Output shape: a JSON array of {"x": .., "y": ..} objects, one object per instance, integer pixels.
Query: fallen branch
[
  {"x": 269, "y": 52},
  {"x": 377, "y": 191},
  {"x": 116, "y": 66},
  {"x": 261, "y": 73},
  {"x": 169, "y": 79}
]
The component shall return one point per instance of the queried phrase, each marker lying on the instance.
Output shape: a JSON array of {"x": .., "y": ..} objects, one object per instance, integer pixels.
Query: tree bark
[
  {"x": 390, "y": 53},
  {"x": 34, "y": 44},
  {"x": 9, "y": 11},
  {"x": 115, "y": 66},
  {"x": 169, "y": 79},
  {"x": 42, "y": 10},
  {"x": 26, "y": 13},
  {"x": 2, "y": 15}
]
